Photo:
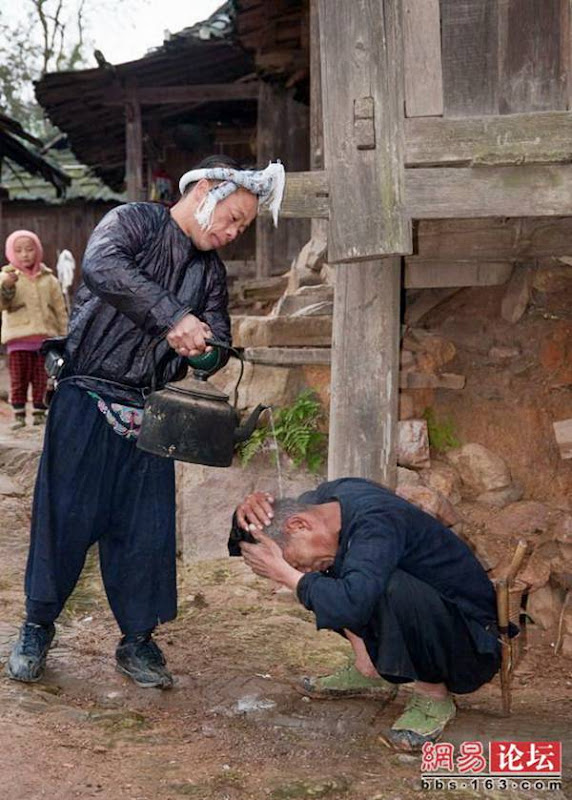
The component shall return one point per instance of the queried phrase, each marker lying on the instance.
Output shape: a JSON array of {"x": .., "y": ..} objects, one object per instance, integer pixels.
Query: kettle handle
[
  {"x": 211, "y": 343},
  {"x": 237, "y": 354}
]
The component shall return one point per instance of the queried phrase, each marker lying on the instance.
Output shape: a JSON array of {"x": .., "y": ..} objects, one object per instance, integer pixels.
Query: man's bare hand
[
  {"x": 266, "y": 559},
  {"x": 188, "y": 336},
  {"x": 10, "y": 280},
  {"x": 255, "y": 510}
]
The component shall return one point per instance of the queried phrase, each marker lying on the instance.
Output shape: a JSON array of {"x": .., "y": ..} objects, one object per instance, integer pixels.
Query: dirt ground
[{"x": 234, "y": 727}]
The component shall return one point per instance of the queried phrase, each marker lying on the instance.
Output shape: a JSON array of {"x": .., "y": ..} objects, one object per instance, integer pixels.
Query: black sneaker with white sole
[
  {"x": 141, "y": 660},
  {"x": 28, "y": 657}
]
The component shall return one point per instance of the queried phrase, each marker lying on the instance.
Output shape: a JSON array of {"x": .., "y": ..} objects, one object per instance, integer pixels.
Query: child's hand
[{"x": 11, "y": 279}]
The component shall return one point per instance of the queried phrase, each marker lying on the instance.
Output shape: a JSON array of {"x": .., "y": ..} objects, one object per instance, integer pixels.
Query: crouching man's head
[{"x": 307, "y": 534}]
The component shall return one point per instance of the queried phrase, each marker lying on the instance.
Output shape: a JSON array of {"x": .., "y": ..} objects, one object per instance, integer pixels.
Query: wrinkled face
[
  {"x": 231, "y": 218},
  {"x": 309, "y": 548},
  {"x": 25, "y": 251}
]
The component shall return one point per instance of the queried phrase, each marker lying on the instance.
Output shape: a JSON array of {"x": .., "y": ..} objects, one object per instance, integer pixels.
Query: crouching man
[{"x": 408, "y": 594}]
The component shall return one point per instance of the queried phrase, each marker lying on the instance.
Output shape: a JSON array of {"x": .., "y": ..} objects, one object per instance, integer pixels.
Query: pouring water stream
[{"x": 274, "y": 446}]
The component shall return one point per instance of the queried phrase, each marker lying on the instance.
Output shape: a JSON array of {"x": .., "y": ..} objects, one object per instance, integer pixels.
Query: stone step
[{"x": 248, "y": 331}]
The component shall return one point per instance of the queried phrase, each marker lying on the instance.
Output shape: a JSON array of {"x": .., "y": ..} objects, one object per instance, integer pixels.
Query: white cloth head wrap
[{"x": 267, "y": 184}]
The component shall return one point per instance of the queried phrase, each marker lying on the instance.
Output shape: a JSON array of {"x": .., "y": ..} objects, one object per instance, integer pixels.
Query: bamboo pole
[{"x": 503, "y": 619}]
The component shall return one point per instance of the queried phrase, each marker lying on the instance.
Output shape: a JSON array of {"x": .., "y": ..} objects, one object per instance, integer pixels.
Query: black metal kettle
[{"x": 196, "y": 423}]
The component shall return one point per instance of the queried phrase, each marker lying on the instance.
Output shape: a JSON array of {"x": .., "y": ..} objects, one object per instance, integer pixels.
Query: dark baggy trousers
[
  {"x": 95, "y": 486},
  {"x": 417, "y": 635}
]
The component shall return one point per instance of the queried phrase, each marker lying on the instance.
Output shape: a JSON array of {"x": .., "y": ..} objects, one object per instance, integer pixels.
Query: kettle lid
[{"x": 198, "y": 388}]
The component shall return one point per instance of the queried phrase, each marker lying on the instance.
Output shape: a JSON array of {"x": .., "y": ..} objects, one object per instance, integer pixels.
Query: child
[{"x": 33, "y": 309}]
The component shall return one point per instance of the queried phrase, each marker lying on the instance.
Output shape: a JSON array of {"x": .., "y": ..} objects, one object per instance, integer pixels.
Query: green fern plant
[
  {"x": 298, "y": 433},
  {"x": 441, "y": 433}
]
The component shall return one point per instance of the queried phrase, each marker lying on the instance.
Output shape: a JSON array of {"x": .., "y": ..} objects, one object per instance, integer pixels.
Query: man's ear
[
  {"x": 297, "y": 522},
  {"x": 200, "y": 190}
]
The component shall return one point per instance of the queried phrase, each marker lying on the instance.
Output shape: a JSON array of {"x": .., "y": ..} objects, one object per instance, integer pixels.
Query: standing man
[
  {"x": 409, "y": 595},
  {"x": 154, "y": 291}
]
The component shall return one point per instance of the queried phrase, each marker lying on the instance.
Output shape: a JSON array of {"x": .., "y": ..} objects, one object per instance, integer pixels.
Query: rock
[
  {"x": 9, "y": 488},
  {"x": 406, "y": 359},
  {"x": 524, "y": 518},
  {"x": 563, "y": 529},
  {"x": 406, "y": 406},
  {"x": 486, "y": 559},
  {"x": 432, "y": 351},
  {"x": 413, "y": 379},
  {"x": 499, "y": 498},
  {"x": 479, "y": 468},
  {"x": 282, "y": 331},
  {"x": 303, "y": 298},
  {"x": 445, "y": 479},
  {"x": 307, "y": 267},
  {"x": 517, "y": 295},
  {"x": 271, "y": 385},
  {"x": 544, "y": 607},
  {"x": 563, "y": 436},
  {"x": 413, "y": 443},
  {"x": 323, "y": 308},
  {"x": 536, "y": 573},
  {"x": 552, "y": 279},
  {"x": 501, "y": 354},
  {"x": 566, "y": 647},
  {"x": 408, "y": 477},
  {"x": 430, "y": 501}
]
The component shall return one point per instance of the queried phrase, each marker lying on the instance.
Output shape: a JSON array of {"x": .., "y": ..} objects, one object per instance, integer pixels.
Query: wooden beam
[
  {"x": 514, "y": 139},
  {"x": 528, "y": 191},
  {"x": 363, "y": 127},
  {"x": 457, "y": 193},
  {"x": 288, "y": 356},
  {"x": 133, "y": 146},
  {"x": 421, "y": 273},
  {"x": 363, "y": 410},
  {"x": 306, "y": 196},
  {"x": 423, "y": 70},
  {"x": 198, "y": 93},
  {"x": 494, "y": 238}
]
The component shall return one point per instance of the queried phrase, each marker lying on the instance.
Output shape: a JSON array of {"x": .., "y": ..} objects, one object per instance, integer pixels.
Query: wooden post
[
  {"x": 133, "y": 146},
  {"x": 319, "y": 226},
  {"x": 365, "y": 376},
  {"x": 363, "y": 118},
  {"x": 282, "y": 132}
]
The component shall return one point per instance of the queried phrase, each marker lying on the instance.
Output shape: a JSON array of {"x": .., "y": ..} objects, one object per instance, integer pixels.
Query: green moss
[{"x": 442, "y": 435}]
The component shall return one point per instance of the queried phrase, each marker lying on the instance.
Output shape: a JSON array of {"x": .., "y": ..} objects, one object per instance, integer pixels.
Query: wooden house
[{"x": 438, "y": 139}]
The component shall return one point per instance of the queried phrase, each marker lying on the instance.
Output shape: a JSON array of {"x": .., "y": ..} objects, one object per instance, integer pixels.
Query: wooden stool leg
[{"x": 503, "y": 620}]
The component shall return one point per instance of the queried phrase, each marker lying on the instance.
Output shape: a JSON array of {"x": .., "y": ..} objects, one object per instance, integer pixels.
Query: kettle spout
[{"x": 245, "y": 431}]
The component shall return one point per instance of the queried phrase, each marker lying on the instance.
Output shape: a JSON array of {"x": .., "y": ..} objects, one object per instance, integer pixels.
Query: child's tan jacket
[{"x": 36, "y": 307}]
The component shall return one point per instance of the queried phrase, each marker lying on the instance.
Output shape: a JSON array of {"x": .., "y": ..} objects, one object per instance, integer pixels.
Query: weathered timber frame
[{"x": 384, "y": 171}]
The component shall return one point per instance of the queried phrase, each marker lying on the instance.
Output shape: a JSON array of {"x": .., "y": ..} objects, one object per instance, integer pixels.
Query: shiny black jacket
[{"x": 141, "y": 274}]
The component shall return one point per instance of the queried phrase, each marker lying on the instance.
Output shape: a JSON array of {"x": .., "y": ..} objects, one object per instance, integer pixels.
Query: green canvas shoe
[
  {"x": 348, "y": 682},
  {"x": 423, "y": 720}
]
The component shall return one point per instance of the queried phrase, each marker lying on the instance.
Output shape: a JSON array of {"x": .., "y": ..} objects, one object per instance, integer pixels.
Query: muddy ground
[{"x": 234, "y": 727}]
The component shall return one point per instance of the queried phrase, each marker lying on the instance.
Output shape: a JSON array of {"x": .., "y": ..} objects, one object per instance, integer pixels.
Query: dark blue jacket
[
  {"x": 141, "y": 274},
  {"x": 380, "y": 533}
]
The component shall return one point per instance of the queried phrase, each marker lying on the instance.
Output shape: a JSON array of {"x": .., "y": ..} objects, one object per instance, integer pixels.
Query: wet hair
[
  {"x": 283, "y": 510},
  {"x": 214, "y": 161}
]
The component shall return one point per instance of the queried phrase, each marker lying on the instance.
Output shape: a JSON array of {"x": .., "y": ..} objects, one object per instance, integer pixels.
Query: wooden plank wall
[
  {"x": 64, "y": 227},
  {"x": 495, "y": 57}
]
